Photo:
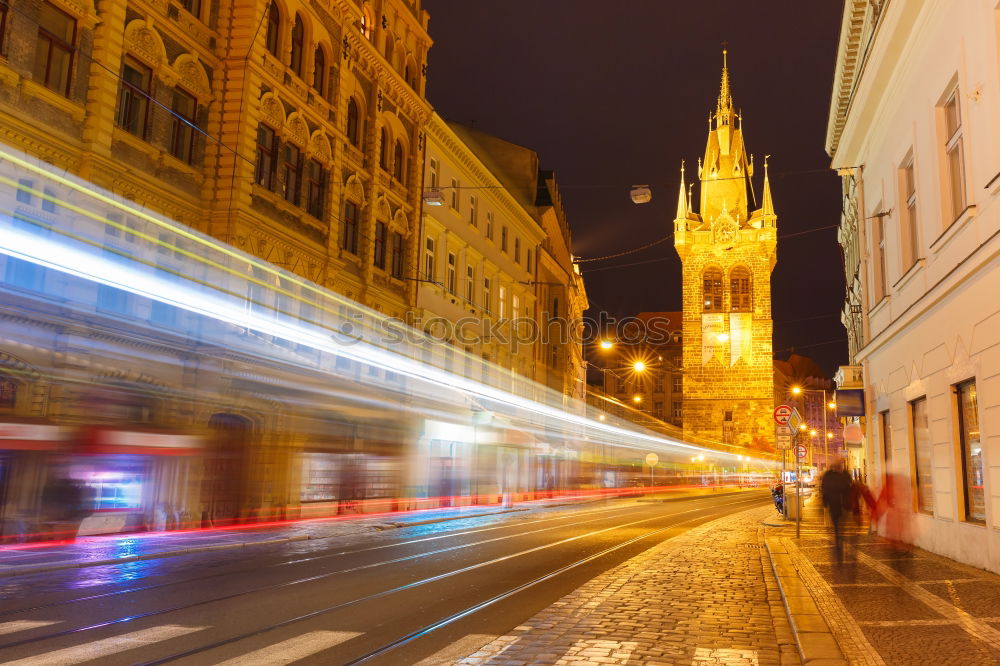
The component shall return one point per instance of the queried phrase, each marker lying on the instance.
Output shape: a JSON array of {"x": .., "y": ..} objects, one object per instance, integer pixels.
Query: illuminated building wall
[{"x": 727, "y": 248}]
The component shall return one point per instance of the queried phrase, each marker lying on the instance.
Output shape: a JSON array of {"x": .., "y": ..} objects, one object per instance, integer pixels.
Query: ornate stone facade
[{"x": 728, "y": 251}]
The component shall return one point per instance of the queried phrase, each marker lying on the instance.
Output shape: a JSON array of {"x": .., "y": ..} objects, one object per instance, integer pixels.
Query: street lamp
[
  {"x": 830, "y": 404},
  {"x": 637, "y": 398},
  {"x": 639, "y": 366},
  {"x": 607, "y": 344}
]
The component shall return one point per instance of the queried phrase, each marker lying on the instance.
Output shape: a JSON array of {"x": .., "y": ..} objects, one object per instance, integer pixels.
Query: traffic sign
[
  {"x": 783, "y": 441},
  {"x": 652, "y": 459},
  {"x": 800, "y": 451},
  {"x": 782, "y": 413}
]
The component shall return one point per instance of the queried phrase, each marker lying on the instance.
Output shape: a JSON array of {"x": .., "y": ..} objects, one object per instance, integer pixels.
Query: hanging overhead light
[
  {"x": 641, "y": 194},
  {"x": 433, "y": 196}
]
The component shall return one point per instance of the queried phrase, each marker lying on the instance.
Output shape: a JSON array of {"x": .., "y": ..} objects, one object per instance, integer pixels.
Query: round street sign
[
  {"x": 652, "y": 459},
  {"x": 800, "y": 451},
  {"x": 782, "y": 414}
]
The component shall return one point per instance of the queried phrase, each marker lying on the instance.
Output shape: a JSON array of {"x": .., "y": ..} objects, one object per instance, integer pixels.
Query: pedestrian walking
[{"x": 835, "y": 489}]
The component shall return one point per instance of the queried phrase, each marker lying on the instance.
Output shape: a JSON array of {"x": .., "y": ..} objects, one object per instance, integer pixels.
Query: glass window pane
[
  {"x": 57, "y": 22},
  {"x": 957, "y": 179},
  {"x": 923, "y": 450},
  {"x": 972, "y": 453}
]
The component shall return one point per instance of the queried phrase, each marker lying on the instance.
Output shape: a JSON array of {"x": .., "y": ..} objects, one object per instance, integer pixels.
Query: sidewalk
[
  {"x": 28, "y": 558},
  {"x": 707, "y": 596},
  {"x": 888, "y": 604}
]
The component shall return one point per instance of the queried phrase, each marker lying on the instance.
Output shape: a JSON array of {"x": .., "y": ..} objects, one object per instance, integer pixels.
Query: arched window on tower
[
  {"x": 740, "y": 290},
  {"x": 712, "y": 290}
]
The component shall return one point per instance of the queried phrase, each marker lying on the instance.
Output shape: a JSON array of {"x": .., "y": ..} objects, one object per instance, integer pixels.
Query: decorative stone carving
[
  {"x": 355, "y": 190},
  {"x": 319, "y": 147},
  {"x": 401, "y": 222},
  {"x": 143, "y": 42},
  {"x": 193, "y": 77},
  {"x": 296, "y": 129},
  {"x": 382, "y": 209},
  {"x": 271, "y": 111}
]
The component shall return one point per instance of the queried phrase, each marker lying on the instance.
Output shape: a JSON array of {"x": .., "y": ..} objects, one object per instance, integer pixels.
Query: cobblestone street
[{"x": 705, "y": 597}]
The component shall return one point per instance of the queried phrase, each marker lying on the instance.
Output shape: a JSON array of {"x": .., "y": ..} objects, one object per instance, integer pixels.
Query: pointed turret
[
  {"x": 724, "y": 107},
  {"x": 768, "y": 206},
  {"x": 682, "y": 209}
]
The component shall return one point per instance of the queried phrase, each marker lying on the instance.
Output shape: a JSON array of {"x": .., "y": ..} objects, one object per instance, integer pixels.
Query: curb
[
  {"x": 810, "y": 629},
  {"x": 687, "y": 497},
  {"x": 45, "y": 568}
]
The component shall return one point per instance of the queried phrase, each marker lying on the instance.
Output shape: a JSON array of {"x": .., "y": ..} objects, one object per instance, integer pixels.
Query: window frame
[
  {"x": 131, "y": 96},
  {"x": 964, "y": 429},
  {"x": 910, "y": 245},
  {"x": 954, "y": 156},
  {"x": 266, "y": 153},
  {"x": 397, "y": 255},
  {"x": 292, "y": 173},
  {"x": 430, "y": 259},
  {"x": 319, "y": 71},
  {"x": 349, "y": 227},
  {"x": 352, "y": 128},
  {"x": 452, "y": 276},
  {"x": 315, "y": 188},
  {"x": 296, "y": 56},
  {"x": 740, "y": 295},
  {"x": 272, "y": 33},
  {"x": 717, "y": 301},
  {"x": 920, "y": 503},
  {"x": 56, "y": 42},
  {"x": 379, "y": 242},
  {"x": 182, "y": 125}
]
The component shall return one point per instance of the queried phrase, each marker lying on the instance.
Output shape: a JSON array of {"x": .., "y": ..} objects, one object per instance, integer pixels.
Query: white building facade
[{"x": 914, "y": 131}]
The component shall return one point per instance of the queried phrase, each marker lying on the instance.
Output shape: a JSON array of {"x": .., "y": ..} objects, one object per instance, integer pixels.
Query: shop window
[
  {"x": 712, "y": 290},
  {"x": 315, "y": 188},
  {"x": 267, "y": 146},
  {"x": 923, "y": 452},
  {"x": 54, "y": 49},
  {"x": 182, "y": 131},
  {"x": 740, "y": 295},
  {"x": 972, "y": 452},
  {"x": 8, "y": 393},
  {"x": 273, "y": 28},
  {"x": 319, "y": 71},
  {"x": 133, "y": 97},
  {"x": 298, "y": 44},
  {"x": 349, "y": 228},
  {"x": 381, "y": 236}
]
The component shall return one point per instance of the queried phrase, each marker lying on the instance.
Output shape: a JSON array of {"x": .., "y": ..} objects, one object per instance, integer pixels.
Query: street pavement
[
  {"x": 888, "y": 603},
  {"x": 421, "y": 593}
]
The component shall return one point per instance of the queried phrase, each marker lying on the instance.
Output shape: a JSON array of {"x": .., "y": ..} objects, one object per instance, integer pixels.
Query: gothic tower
[{"x": 727, "y": 249}]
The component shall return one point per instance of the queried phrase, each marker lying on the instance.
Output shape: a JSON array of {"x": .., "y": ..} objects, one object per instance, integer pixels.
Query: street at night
[{"x": 500, "y": 332}]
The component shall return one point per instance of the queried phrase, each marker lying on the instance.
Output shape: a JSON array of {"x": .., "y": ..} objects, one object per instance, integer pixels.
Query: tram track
[{"x": 609, "y": 513}]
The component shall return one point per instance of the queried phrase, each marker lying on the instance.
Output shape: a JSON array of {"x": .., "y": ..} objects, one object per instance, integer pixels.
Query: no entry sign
[
  {"x": 782, "y": 414},
  {"x": 800, "y": 451}
]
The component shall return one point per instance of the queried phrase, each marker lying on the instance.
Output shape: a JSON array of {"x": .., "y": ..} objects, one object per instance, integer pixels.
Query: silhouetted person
[{"x": 836, "y": 492}]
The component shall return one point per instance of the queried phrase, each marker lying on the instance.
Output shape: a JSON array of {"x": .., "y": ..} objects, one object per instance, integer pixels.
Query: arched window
[
  {"x": 366, "y": 23},
  {"x": 388, "y": 48},
  {"x": 712, "y": 290},
  {"x": 273, "y": 28},
  {"x": 740, "y": 294},
  {"x": 298, "y": 43},
  {"x": 383, "y": 150},
  {"x": 397, "y": 162},
  {"x": 8, "y": 393},
  {"x": 353, "y": 131},
  {"x": 319, "y": 71}
]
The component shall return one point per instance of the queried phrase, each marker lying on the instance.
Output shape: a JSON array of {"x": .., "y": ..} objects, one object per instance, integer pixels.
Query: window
[
  {"x": 319, "y": 71},
  {"x": 658, "y": 408},
  {"x": 489, "y": 225},
  {"x": 487, "y": 294},
  {"x": 349, "y": 228},
  {"x": 452, "y": 275},
  {"x": 383, "y": 149},
  {"x": 527, "y": 260},
  {"x": 54, "y": 49},
  {"x": 353, "y": 129},
  {"x": 182, "y": 132},
  {"x": 454, "y": 194},
  {"x": 878, "y": 239},
  {"x": 676, "y": 383},
  {"x": 503, "y": 302},
  {"x": 923, "y": 455},
  {"x": 3, "y": 25},
  {"x": 381, "y": 236},
  {"x": 293, "y": 173},
  {"x": 267, "y": 145},
  {"x": 955, "y": 154},
  {"x": 619, "y": 384},
  {"x": 398, "y": 159},
  {"x": 432, "y": 172},
  {"x": 555, "y": 308},
  {"x": 503, "y": 238},
  {"x": 712, "y": 290},
  {"x": 273, "y": 28},
  {"x": 315, "y": 188},
  {"x": 740, "y": 297},
  {"x": 517, "y": 250},
  {"x": 8, "y": 389},
  {"x": 470, "y": 285},
  {"x": 429, "y": 267},
  {"x": 133, "y": 100},
  {"x": 658, "y": 384},
  {"x": 396, "y": 255},
  {"x": 910, "y": 237},
  {"x": 886, "y": 439},
  {"x": 389, "y": 44},
  {"x": 515, "y": 306},
  {"x": 972, "y": 452},
  {"x": 366, "y": 23},
  {"x": 473, "y": 211},
  {"x": 298, "y": 44},
  {"x": 676, "y": 410}
]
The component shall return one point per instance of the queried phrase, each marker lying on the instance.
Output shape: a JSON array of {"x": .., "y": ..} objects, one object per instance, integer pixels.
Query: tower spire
[
  {"x": 724, "y": 107},
  {"x": 682, "y": 211},
  {"x": 767, "y": 208}
]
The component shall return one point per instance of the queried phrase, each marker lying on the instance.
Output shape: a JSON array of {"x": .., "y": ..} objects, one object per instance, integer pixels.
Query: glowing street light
[
  {"x": 607, "y": 344},
  {"x": 829, "y": 435},
  {"x": 813, "y": 432},
  {"x": 601, "y": 417},
  {"x": 637, "y": 398},
  {"x": 639, "y": 366},
  {"x": 796, "y": 390},
  {"x": 802, "y": 427},
  {"x": 832, "y": 405}
]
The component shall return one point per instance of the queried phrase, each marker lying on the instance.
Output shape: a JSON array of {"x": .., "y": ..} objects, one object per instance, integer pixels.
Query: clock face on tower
[{"x": 725, "y": 231}]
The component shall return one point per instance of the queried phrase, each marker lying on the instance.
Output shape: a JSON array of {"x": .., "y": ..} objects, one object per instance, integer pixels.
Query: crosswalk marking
[
  {"x": 106, "y": 646},
  {"x": 23, "y": 625},
  {"x": 293, "y": 649}
]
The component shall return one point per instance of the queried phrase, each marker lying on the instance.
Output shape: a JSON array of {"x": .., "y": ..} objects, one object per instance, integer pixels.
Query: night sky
[{"x": 615, "y": 94}]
